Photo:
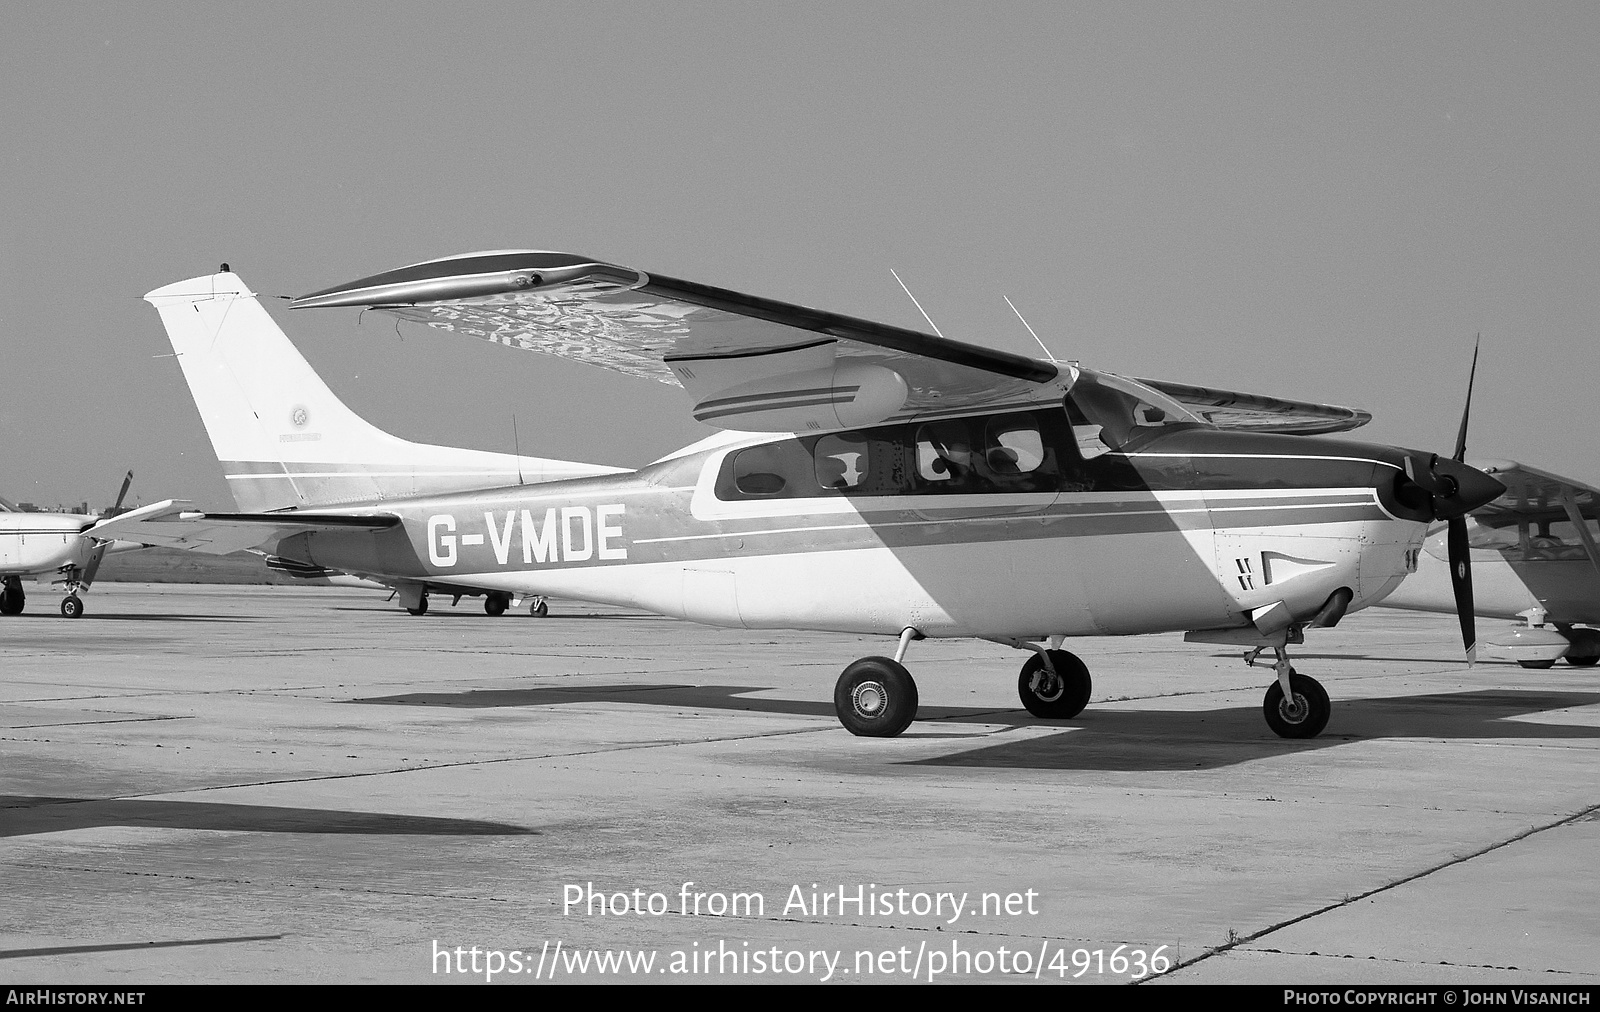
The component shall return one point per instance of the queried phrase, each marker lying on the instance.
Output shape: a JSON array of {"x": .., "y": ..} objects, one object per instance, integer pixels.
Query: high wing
[
  {"x": 752, "y": 363},
  {"x": 1538, "y": 497},
  {"x": 173, "y": 523},
  {"x": 1228, "y": 409}
]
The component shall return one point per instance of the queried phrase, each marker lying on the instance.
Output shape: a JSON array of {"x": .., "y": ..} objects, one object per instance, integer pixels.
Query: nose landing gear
[{"x": 1296, "y": 705}]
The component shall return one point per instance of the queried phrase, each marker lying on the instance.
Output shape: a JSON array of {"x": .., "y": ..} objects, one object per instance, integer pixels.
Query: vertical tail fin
[{"x": 283, "y": 438}]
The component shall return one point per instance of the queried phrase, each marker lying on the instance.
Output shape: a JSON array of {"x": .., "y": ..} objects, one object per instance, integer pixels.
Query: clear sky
[{"x": 1324, "y": 201}]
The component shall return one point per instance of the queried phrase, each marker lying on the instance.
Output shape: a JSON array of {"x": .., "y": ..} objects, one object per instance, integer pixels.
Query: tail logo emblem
[{"x": 298, "y": 417}]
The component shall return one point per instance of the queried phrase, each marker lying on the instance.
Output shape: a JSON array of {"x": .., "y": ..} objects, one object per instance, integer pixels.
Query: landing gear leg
[
  {"x": 413, "y": 597},
  {"x": 11, "y": 597},
  {"x": 1296, "y": 705},
  {"x": 876, "y": 697}
]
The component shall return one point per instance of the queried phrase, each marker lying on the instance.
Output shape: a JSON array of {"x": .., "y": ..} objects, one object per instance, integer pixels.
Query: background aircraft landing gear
[
  {"x": 1585, "y": 649},
  {"x": 12, "y": 597},
  {"x": 71, "y": 606},
  {"x": 496, "y": 604},
  {"x": 1057, "y": 690}
]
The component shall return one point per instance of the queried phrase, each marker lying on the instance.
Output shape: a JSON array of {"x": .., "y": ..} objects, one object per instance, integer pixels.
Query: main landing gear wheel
[
  {"x": 1058, "y": 696},
  {"x": 875, "y": 698},
  {"x": 71, "y": 606},
  {"x": 422, "y": 606},
  {"x": 1302, "y": 716},
  {"x": 496, "y": 604},
  {"x": 12, "y": 598}
]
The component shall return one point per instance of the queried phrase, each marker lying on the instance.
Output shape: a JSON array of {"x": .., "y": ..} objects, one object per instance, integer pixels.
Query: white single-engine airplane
[
  {"x": 1534, "y": 557},
  {"x": 68, "y": 546},
  {"x": 884, "y": 481}
]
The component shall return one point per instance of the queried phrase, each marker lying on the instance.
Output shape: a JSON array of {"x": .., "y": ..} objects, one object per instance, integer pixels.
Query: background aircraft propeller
[{"x": 99, "y": 551}]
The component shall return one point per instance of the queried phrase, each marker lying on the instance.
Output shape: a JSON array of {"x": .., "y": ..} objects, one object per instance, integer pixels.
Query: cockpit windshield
[{"x": 1109, "y": 412}]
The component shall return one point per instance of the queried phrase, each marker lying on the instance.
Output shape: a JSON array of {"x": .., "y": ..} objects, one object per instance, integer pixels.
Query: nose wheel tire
[
  {"x": 1058, "y": 697},
  {"x": 1304, "y": 715},
  {"x": 539, "y": 609},
  {"x": 875, "y": 698},
  {"x": 71, "y": 606}
]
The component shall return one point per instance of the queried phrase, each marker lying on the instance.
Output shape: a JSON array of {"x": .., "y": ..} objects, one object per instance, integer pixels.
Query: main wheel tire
[
  {"x": 11, "y": 602},
  {"x": 1061, "y": 701},
  {"x": 421, "y": 608},
  {"x": 1536, "y": 665},
  {"x": 1582, "y": 662},
  {"x": 71, "y": 606},
  {"x": 876, "y": 698},
  {"x": 1306, "y": 716},
  {"x": 496, "y": 604}
]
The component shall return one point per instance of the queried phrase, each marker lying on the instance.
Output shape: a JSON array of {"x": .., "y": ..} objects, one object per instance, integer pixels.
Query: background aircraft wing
[
  {"x": 1536, "y": 496},
  {"x": 750, "y": 363},
  {"x": 174, "y": 523}
]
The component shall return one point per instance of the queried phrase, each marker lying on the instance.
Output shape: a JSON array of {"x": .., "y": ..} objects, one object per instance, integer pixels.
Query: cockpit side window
[{"x": 842, "y": 461}]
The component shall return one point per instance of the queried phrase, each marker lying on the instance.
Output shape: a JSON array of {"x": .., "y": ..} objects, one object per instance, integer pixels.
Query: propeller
[
  {"x": 99, "y": 551},
  {"x": 1456, "y": 490},
  {"x": 1460, "y": 553}
]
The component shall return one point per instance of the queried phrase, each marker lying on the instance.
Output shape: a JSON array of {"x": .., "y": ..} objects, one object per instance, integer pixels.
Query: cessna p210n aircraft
[
  {"x": 871, "y": 480},
  {"x": 68, "y": 545}
]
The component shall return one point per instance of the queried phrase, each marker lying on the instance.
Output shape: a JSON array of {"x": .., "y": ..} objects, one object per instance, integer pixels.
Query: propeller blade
[
  {"x": 98, "y": 553},
  {"x": 1461, "y": 434},
  {"x": 1461, "y": 583},
  {"x": 124, "y": 493}
]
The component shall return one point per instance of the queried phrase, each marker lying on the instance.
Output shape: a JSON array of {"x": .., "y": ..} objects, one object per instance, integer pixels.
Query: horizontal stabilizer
[{"x": 172, "y": 524}]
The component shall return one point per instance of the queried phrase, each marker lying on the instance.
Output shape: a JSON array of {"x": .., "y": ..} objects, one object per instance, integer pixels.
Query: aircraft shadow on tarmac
[
  {"x": 1112, "y": 739},
  {"x": 26, "y": 816}
]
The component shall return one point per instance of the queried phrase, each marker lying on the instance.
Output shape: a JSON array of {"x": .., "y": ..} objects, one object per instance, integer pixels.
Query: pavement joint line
[
  {"x": 635, "y": 746},
  {"x": 1415, "y": 962},
  {"x": 68, "y": 950},
  {"x": 79, "y": 723},
  {"x": 218, "y": 880},
  {"x": 1348, "y": 900}
]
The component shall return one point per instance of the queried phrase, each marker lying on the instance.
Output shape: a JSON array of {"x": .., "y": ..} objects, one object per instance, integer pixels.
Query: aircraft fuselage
[{"x": 918, "y": 525}]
